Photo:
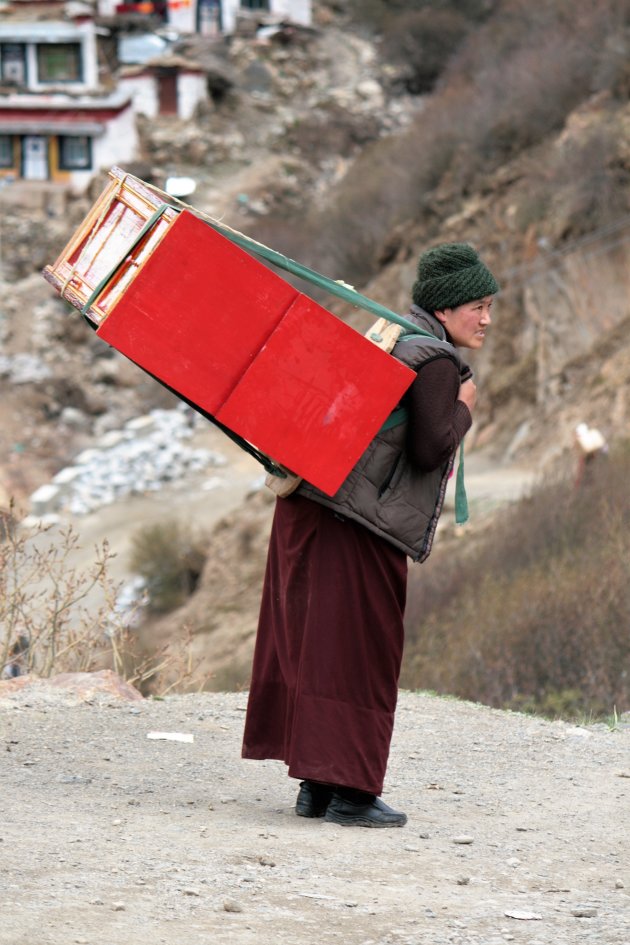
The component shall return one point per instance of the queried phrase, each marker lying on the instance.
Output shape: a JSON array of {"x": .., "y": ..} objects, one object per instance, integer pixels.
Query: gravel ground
[{"x": 518, "y": 830}]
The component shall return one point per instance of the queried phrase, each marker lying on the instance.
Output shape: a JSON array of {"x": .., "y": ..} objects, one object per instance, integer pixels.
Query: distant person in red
[{"x": 330, "y": 636}]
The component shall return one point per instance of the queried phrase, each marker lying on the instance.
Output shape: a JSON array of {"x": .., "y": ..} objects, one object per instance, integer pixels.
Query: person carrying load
[{"x": 330, "y": 636}]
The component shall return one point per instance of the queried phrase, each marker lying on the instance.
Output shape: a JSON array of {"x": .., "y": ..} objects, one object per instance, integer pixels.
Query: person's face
[{"x": 467, "y": 323}]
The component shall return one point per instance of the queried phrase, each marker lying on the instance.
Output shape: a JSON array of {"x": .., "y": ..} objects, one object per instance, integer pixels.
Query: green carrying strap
[
  {"x": 395, "y": 418},
  {"x": 348, "y": 294},
  {"x": 461, "y": 499},
  {"x": 339, "y": 289}
]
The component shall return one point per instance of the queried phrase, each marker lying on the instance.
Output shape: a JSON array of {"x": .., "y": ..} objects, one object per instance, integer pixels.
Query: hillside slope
[
  {"x": 559, "y": 350},
  {"x": 294, "y": 151},
  {"x": 304, "y": 142}
]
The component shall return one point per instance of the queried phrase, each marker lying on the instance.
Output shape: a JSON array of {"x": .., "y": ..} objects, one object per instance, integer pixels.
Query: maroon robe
[
  {"x": 329, "y": 648},
  {"x": 330, "y": 636}
]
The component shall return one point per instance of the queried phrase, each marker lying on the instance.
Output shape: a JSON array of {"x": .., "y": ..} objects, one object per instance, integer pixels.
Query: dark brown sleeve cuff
[{"x": 462, "y": 419}]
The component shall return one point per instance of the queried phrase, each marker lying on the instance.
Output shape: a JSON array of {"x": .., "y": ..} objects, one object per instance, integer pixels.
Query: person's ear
[{"x": 441, "y": 316}]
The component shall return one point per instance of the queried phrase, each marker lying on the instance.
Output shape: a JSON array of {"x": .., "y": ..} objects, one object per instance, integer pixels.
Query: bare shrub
[
  {"x": 58, "y": 618},
  {"x": 382, "y": 16},
  {"x": 341, "y": 238},
  {"x": 614, "y": 67},
  {"x": 170, "y": 558},
  {"x": 539, "y": 609},
  {"x": 363, "y": 208},
  {"x": 46, "y": 626},
  {"x": 512, "y": 83},
  {"x": 524, "y": 72},
  {"x": 330, "y": 130},
  {"x": 593, "y": 177},
  {"x": 421, "y": 44}
]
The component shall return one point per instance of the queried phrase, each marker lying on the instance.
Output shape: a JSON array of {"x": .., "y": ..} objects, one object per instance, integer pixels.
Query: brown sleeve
[{"x": 437, "y": 419}]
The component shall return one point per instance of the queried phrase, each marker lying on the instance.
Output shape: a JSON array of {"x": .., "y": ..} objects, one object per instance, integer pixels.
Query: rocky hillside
[
  {"x": 318, "y": 143},
  {"x": 294, "y": 131}
]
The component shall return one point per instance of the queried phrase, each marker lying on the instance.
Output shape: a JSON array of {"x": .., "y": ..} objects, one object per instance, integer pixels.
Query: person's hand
[{"x": 468, "y": 394}]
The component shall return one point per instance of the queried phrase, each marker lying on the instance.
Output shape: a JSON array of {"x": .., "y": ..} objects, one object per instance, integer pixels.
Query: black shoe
[
  {"x": 312, "y": 799},
  {"x": 373, "y": 813}
]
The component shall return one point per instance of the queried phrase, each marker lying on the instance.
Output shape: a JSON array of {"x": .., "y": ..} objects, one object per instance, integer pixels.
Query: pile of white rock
[
  {"x": 144, "y": 456},
  {"x": 24, "y": 368}
]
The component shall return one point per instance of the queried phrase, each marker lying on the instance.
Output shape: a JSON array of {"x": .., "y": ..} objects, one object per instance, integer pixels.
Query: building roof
[
  {"x": 46, "y": 126},
  {"x": 16, "y": 101},
  {"x": 37, "y": 114},
  {"x": 40, "y": 31},
  {"x": 168, "y": 61}
]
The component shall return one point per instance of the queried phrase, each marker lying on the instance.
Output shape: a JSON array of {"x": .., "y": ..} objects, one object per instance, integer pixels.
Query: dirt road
[
  {"x": 205, "y": 497},
  {"x": 518, "y": 831}
]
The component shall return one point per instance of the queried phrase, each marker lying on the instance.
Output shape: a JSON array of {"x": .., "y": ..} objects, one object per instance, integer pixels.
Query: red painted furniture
[{"x": 227, "y": 334}]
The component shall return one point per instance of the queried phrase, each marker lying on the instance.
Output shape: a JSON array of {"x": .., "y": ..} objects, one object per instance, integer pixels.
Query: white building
[
  {"x": 297, "y": 11},
  {"x": 56, "y": 124},
  {"x": 210, "y": 17},
  {"x": 40, "y": 55},
  {"x": 168, "y": 85}
]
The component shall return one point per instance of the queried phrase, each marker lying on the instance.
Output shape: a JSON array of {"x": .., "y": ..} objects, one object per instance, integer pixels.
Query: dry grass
[
  {"x": 170, "y": 559},
  {"x": 45, "y": 625},
  {"x": 56, "y": 618},
  {"x": 536, "y": 616},
  {"x": 511, "y": 84}
]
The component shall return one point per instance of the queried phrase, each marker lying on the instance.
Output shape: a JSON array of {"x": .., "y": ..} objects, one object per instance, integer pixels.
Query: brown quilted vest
[{"x": 384, "y": 492}]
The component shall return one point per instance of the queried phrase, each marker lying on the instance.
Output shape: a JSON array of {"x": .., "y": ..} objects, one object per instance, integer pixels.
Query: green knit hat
[{"x": 449, "y": 275}]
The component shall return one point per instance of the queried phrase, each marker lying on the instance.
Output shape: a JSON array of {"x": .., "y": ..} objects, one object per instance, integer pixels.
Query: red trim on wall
[{"x": 65, "y": 115}]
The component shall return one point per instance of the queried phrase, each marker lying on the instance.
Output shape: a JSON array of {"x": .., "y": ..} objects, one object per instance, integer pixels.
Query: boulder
[{"x": 85, "y": 686}]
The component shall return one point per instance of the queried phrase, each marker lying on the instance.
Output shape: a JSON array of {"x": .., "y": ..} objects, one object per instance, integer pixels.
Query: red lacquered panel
[
  {"x": 197, "y": 312},
  {"x": 316, "y": 395}
]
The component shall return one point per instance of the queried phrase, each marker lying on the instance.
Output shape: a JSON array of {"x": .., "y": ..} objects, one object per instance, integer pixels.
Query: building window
[
  {"x": 13, "y": 63},
  {"x": 6, "y": 151},
  {"x": 75, "y": 153},
  {"x": 59, "y": 62},
  {"x": 255, "y": 4}
]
